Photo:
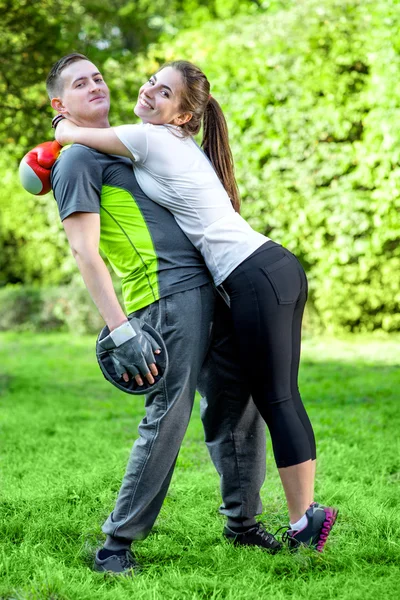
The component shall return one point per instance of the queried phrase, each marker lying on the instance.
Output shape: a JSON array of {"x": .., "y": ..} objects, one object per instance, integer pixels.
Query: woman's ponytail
[{"x": 216, "y": 145}]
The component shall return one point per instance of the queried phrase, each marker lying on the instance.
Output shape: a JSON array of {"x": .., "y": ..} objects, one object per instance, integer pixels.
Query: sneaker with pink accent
[{"x": 320, "y": 520}]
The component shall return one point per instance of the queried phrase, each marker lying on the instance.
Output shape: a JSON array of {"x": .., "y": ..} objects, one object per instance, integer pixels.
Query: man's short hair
[{"x": 54, "y": 83}]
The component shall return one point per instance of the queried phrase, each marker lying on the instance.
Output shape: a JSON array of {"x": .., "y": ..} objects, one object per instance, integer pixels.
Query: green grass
[{"x": 65, "y": 439}]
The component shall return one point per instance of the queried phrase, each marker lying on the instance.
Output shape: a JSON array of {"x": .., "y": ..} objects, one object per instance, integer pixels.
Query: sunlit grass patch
[{"x": 66, "y": 435}]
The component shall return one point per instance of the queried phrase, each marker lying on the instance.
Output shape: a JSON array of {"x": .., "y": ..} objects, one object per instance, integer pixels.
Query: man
[{"x": 166, "y": 285}]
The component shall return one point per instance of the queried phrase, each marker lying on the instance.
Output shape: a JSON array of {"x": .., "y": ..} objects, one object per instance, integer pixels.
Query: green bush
[
  {"x": 310, "y": 99},
  {"x": 29, "y": 308},
  {"x": 33, "y": 245},
  {"x": 310, "y": 94}
]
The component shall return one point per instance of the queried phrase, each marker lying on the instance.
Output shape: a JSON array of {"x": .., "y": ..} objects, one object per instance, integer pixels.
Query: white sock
[{"x": 300, "y": 524}]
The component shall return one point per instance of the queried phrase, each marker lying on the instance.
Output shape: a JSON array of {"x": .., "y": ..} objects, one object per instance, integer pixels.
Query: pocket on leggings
[{"x": 284, "y": 277}]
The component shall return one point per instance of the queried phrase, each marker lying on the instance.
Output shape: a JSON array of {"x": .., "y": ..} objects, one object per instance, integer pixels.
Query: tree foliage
[
  {"x": 33, "y": 248},
  {"x": 310, "y": 97},
  {"x": 36, "y": 33},
  {"x": 33, "y": 35}
]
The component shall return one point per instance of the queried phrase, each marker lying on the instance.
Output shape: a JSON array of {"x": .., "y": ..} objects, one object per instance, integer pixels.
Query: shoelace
[
  {"x": 127, "y": 561},
  {"x": 286, "y": 537},
  {"x": 267, "y": 537}
]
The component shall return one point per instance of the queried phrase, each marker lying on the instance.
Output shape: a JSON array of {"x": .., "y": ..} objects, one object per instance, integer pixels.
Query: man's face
[{"x": 85, "y": 97}]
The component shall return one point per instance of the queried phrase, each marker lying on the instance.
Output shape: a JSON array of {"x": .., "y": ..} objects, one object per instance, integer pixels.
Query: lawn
[{"x": 65, "y": 439}]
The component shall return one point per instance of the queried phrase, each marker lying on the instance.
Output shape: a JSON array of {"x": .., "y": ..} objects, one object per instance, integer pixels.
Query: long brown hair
[{"x": 205, "y": 110}]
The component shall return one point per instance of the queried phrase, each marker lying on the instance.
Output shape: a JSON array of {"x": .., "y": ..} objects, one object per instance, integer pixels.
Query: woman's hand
[{"x": 66, "y": 132}]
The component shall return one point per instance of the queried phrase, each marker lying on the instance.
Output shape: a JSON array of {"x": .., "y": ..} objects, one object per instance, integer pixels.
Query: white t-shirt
[{"x": 174, "y": 172}]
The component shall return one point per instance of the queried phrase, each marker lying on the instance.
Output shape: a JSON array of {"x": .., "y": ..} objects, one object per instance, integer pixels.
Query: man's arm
[
  {"x": 83, "y": 233},
  {"x": 77, "y": 180}
]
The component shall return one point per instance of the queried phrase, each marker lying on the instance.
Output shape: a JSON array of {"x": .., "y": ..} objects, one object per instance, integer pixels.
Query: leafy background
[{"x": 310, "y": 91}]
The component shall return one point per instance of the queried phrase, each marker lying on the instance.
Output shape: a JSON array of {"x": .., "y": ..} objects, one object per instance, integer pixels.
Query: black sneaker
[
  {"x": 119, "y": 564},
  {"x": 320, "y": 520},
  {"x": 255, "y": 536}
]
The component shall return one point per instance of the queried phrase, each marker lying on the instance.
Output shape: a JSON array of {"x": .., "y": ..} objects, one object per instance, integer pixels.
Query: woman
[{"x": 265, "y": 282}]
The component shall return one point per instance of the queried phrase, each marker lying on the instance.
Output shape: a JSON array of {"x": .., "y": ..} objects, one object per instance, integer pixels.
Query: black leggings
[{"x": 268, "y": 292}]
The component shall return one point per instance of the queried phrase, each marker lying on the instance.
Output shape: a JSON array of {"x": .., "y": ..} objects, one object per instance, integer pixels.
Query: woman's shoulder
[
  {"x": 165, "y": 129},
  {"x": 160, "y": 130}
]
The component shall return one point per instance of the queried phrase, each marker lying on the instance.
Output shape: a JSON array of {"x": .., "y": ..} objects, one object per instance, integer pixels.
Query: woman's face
[{"x": 159, "y": 99}]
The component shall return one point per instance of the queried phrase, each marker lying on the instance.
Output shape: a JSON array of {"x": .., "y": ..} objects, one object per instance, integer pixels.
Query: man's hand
[
  {"x": 132, "y": 351},
  {"x": 35, "y": 168}
]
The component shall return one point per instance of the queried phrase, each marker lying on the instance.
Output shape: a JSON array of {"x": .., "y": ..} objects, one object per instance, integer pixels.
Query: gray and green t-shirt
[{"x": 141, "y": 239}]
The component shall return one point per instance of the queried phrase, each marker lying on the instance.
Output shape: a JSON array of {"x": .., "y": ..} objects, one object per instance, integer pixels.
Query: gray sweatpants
[{"x": 197, "y": 330}]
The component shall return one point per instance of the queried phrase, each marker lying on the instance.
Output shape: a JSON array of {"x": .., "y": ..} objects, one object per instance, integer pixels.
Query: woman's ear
[{"x": 182, "y": 119}]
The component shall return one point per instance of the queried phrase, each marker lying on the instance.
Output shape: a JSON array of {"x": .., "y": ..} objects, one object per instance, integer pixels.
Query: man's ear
[
  {"x": 182, "y": 119},
  {"x": 58, "y": 105}
]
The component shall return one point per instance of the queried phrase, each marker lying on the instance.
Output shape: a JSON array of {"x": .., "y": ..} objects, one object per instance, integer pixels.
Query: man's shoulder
[
  {"x": 76, "y": 153},
  {"x": 77, "y": 179},
  {"x": 84, "y": 159}
]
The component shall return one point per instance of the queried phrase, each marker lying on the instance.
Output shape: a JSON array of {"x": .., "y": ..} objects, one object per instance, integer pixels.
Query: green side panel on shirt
[{"x": 126, "y": 241}]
